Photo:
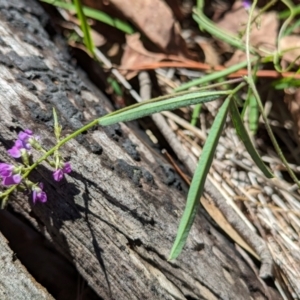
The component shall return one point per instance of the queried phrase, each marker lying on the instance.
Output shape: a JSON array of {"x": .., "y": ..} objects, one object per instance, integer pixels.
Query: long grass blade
[
  {"x": 84, "y": 27},
  {"x": 95, "y": 14},
  {"x": 197, "y": 185},
  {"x": 213, "y": 76},
  {"x": 196, "y": 113},
  {"x": 253, "y": 114},
  {"x": 153, "y": 106},
  {"x": 244, "y": 136}
]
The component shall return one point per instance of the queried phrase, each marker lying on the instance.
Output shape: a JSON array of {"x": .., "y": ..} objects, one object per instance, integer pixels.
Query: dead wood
[
  {"x": 116, "y": 216},
  {"x": 15, "y": 282}
]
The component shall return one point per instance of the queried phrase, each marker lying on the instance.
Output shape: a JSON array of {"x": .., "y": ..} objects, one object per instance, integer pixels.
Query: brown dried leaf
[
  {"x": 212, "y": 58},
  {"x": 154, "y": 18},
  {"x": 292, "y": 100},
  {"x": 291, "y": 43},
  {"x": 218, "y": 217},
  {"x": 135, "y": 54},
  {"x": 98, "y": 39},
  {"x": 263, "y": 32}
]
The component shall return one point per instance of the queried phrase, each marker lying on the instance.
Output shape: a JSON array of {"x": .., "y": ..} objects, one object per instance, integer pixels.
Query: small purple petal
[
  {"x": 11, "y": 180},
  {"x": 15, "y": 151},
  {"x": 34, "y": 196},
  {"x": 38, "y": 194},
  {"x": 67, "y": 168},
  {"x": 6, "y": 169},
  {"x": 58, "y": 175},
  {"x": 28, "y": 131},
  {"x": 25, "y": 135},
  {"x": 246, "y": 4}
]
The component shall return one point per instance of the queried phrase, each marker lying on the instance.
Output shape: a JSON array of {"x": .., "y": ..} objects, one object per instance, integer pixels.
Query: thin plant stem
[
  {"x": 282, "y": 33},
  {"x": 260, "y": 105},
  {"x": 47, "y": 154}
]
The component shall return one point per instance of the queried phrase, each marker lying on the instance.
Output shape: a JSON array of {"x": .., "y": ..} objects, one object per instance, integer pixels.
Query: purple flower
[
  {"x": 6, "y": 169},
  {"x": 38, "y": 194},
  {"x": 16, "y": 150},
  {"x": 22, "y": 143},
  {"x": 67, "y": 168},
  {"x": 24, "y": 137},
  {"x": 11, "y": 180},
  {"x": 8, "y": 177},
  {"x": 58, "y": 175}
]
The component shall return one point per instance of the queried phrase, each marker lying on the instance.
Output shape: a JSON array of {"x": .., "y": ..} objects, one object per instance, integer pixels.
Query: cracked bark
[
  {"x": 14, "y": 277},
  {"x": 115, "y": 218}
]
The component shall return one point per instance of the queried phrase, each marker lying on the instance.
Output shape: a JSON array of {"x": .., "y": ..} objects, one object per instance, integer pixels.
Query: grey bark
[
  {"x": 116, "y": 216},
  {"x": 15, "y": 282}
]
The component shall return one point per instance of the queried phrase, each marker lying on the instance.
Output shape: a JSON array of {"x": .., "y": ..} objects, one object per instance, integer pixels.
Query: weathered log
[
  {"x": 15, "y": 282},
  {"x": 115, "y": 217}
]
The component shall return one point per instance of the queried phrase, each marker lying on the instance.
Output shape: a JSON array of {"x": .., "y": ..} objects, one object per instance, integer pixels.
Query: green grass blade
[
  {"x": 196, "y": 113},
  {"x": 207, "y": 25},
  {"x": 96, "y": 15},
  {"x": 243, "y": 134},
  {"x": 84, "y": 27},
  {"x": 214, "y": 75},
  {"x": 198, "y": 181},
  {"x": 153, "y": 106},
  {"x": 253, "y": 114}
]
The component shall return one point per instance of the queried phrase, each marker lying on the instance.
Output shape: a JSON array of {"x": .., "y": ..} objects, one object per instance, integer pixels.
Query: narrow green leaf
[
  {"x": 253, "y": 114},
  {"x": 196, "y": 113},
  {"x": 115, "y": 86},
  {"x": 95, "y": 14},
  {"x": 214, "y": 75},
  {"x": 153, "y": 106},
  {"x": 243, "y": 134},
  {"x": 197, "y": 185},
  {"x": 84, "y": 27}
]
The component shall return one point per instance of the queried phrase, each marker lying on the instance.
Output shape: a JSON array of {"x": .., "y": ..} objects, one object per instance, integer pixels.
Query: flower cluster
[
  {"x": 22, "y": 144},
  {"x": 9, "y": 174},
  {"x": 12, "y": 175}
]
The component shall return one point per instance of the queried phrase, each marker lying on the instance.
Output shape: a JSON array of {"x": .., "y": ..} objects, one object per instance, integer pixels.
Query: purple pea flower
[
  {"x": 8, "y": 177},
  {"x": 22, "y": 144},
  {"x": 16, "y": 150},
  {"x": 24, "y": 137},
  {"x": 38, "y": 194},
  {"x": 58, "y": 175},
  {"x": 67, "y": 168},
  {"x": 6, "y": 169},
  {"x": 12, "y": 180}
]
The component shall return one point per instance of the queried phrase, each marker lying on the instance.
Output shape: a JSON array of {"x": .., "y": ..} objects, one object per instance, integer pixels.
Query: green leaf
[
  {"x": 196, "y": 113},
  {"x": 214, "y": 75},
  {"x": 153, "y": 106},
  {"x": 253, "y": 114},
  {"x": 197, "y": 185},
  {"x": 84, "y": 27},
  {"x": 285, "y": 83},
  {"x": 96, "y": 15},
  {"x": 243, "y": 134}
]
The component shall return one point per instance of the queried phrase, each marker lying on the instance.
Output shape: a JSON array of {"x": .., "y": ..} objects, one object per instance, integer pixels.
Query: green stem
[
  {"x": 47, "y": 154},
  {"x": 211, "y": 28},
  {"x": 282, "y": 33},
  {"x": 215, "y": 75},
  {"x": 260, "y": 105},
  {"x": 196, "y": 113}
]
